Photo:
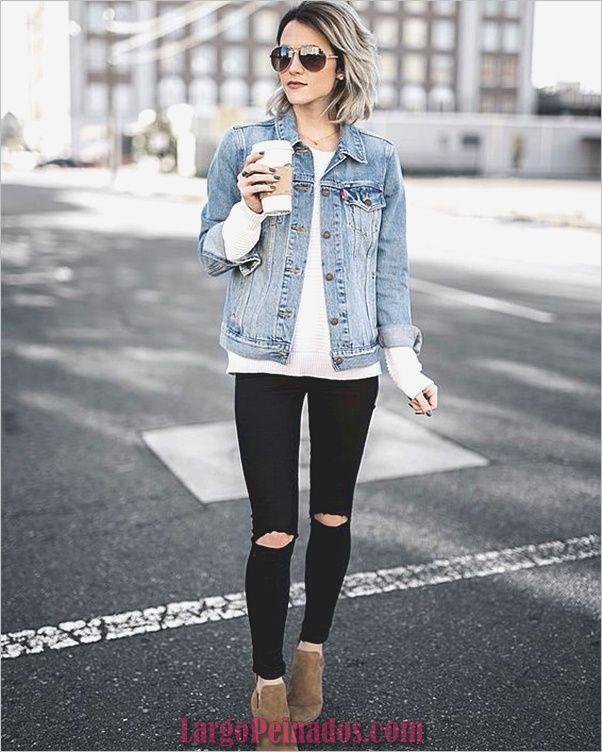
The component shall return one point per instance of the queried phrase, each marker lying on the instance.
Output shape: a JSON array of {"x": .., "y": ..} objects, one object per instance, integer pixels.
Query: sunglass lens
[
  {"x": 281, "y": 58},
  {"x": 312, "y": 58}
]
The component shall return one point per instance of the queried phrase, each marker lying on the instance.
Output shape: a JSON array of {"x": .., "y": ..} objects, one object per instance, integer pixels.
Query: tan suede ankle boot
[
  {"x": 305, "y": 698},
  {"x": 271, "y": 704}
]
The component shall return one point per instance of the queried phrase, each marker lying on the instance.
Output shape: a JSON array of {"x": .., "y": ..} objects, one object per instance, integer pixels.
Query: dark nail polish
[
  {"x": 276, "y": 177},
  {"x": 262, "y": 152},
  {"x": 272, "y": 169}
]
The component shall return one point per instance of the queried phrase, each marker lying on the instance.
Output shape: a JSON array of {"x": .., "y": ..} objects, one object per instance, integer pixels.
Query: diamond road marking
[
  {"x": 206, "y": 458},
  {"x": 77, "y": 632}
]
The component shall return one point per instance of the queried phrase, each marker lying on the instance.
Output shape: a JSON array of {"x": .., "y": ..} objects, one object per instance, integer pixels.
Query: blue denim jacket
[{"x": 364, "y": 256}]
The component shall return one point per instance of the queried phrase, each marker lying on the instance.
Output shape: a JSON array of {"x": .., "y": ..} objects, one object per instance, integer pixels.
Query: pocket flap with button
[{"x": 368, "y": 198}]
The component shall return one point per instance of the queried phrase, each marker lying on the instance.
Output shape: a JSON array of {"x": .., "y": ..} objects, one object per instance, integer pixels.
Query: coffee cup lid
[{"x": 274, "y": 144}]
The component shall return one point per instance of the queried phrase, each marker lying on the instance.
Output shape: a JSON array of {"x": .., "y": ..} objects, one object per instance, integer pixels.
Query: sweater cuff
[
  {"x": 253, "y": 219},
  {"x": 241, "y": 230},
  {"x": 406, "y": 370}
]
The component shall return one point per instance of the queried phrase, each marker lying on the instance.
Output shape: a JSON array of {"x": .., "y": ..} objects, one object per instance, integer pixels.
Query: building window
[
  {"x": 414, "y": 32},
  {"x": 172, "y": 63},
  {"x": 124, "y": 11},
  {"x": 414, "y": 6},
  {"x": 234, "y": 92},
  {"x": 386, "y": 5},
  {"x": 261, "y": 62},
  {"x": 386, "y": 32},
  {"x": 235, "y": 61},
  {"x": 414, "y": 67},
  {"x": 96, "y": 53},
  {"x": 511, "y": 37},
  {"x": 490, "y": 36},
  {"x": 123, "y": 99},
  {"x": 444, "y": 7},
  {"x": 512, "y": 9},
  {"x": 488, "y": 102},
  {"x": 172, "y": 90},
  {"x": 442, "y": 69},
  {"x": 509, "y": 72},
  {"x": 238, "y": 25},
  {"x": 413, "y": 98},
  {"x": 488, "y": 70},
  {"x": 261, "y": 90},
  {"x": 96, "y": 21},
  {"x": 388, "y": 65},
  {"x": 441, "y": 99},
  {"x": 443, "y": 35},
  {"x": 203, "y": 60},
  {"x": 96, "y": 98},
  {"x": 203, "y": 91},
  {"x": 265, "y": 26},
  {"x": 387, "y": 96},
  {"x": 507, "y": 103},
  {"x": 492, "y": 7},
  {"x": 203, "y": 27}
]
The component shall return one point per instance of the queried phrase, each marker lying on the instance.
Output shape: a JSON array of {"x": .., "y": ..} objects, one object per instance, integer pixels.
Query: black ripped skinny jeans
[{"x": 268, "y": 410}]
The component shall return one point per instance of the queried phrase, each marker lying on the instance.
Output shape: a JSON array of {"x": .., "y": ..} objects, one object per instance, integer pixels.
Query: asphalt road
[{"x": 110, "y": 328}]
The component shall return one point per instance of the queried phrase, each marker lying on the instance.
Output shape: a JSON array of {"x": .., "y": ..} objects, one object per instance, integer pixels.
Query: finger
[
  {"x": 422, "y": 403},
  {"x": 253, "y": 157},
  {"x": 259, "y": 188},
  {"x": 262, "y": 178},
  {"x": 431, "y": 395}
]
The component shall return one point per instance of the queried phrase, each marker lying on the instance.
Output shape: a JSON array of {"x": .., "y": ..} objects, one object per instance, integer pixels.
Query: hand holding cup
[{"x": 256, "y": 180}]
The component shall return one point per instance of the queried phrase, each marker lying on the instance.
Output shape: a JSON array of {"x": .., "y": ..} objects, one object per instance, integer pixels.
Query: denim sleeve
[
  {"x": 222, "y": 194},
  {"x": 393, "y": 306}
]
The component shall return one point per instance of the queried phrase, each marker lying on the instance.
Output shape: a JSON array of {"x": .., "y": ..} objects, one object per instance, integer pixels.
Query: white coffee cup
[{"x": 279, "y": 155}]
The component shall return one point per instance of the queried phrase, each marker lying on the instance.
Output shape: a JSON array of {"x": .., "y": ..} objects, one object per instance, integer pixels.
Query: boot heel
[
  {"x": 270, "y": 703},
  {"x": 304, "y": 695}
]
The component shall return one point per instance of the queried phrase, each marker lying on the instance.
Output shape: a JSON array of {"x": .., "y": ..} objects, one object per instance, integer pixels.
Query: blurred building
[
  {"x": 437, "y": 58},
  {"x": 566, "y": 98}
]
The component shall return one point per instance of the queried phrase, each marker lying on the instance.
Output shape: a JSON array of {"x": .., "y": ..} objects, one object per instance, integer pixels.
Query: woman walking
[{"x": 312, "y": 298}]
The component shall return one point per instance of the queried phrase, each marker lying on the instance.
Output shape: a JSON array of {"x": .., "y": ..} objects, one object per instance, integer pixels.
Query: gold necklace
[{"x": 316, "y": 142}]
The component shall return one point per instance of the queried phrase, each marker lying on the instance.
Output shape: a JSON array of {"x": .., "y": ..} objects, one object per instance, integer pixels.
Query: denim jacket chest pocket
[{"x": 363, "y": 206}]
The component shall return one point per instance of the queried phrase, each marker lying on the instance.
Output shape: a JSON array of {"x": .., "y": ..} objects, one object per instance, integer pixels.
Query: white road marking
[
  {"x": 206, "y": 458},
  {"x": 70, "y": 634},
  {"x": 463, "y": 297}
]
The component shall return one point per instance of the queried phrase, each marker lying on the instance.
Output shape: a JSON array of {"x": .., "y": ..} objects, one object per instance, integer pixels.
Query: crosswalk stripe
[{"x": 79, "y": 632}]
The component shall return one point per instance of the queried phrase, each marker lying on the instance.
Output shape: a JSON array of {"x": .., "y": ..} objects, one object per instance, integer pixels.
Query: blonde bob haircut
[{"x": 352, "y": 97}]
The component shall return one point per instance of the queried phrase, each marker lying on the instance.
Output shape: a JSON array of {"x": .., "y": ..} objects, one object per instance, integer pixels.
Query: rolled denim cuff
[
  {"x": 219, "y": 264},
  {"x": 404, "y": 335}
]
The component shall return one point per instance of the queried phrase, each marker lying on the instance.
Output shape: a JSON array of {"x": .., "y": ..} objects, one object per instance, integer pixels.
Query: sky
[
  {"x": 566, "y": 47},
  {"x": 566, "y": 43}
]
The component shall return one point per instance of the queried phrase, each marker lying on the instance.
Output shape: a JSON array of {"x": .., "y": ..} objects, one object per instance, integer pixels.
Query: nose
[{"x": 294, "y": 62}]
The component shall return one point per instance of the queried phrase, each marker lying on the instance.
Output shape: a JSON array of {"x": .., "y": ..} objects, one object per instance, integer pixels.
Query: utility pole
[{"x": 112, "y": 134}]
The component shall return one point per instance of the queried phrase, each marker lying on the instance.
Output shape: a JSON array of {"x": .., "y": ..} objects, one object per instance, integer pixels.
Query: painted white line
[
  {"x": 70, "y": 634},
  {"x": 463, "y": 297}
]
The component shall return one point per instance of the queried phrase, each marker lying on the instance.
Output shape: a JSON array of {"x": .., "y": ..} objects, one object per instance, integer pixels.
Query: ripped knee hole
[{"x": 275, "y": 539}]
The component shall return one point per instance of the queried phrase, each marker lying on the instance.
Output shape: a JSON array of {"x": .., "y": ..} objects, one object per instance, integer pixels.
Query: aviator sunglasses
[{"x": 311, "y": 56}]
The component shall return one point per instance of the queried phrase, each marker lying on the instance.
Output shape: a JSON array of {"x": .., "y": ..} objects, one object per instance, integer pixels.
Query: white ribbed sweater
[{"x": 310, "y": 348}]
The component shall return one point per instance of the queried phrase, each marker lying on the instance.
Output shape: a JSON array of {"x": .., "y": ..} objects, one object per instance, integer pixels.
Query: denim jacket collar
[{"x": 350, "y": 140}]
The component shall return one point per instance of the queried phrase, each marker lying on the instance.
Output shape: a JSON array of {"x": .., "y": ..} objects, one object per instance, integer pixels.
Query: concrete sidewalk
[{"x": 567, "y": 203}]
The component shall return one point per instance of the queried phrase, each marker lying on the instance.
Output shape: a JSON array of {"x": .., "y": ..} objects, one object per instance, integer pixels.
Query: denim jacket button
[
  {"x": 325, "y": 191},
  {"x": 334, "y": 320},
  {"x": 329, "y": 276},
  {"x": 326, "y": 234},
  {"x": 338, "y": 359},
  {"x": 368, "y": 201}
]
